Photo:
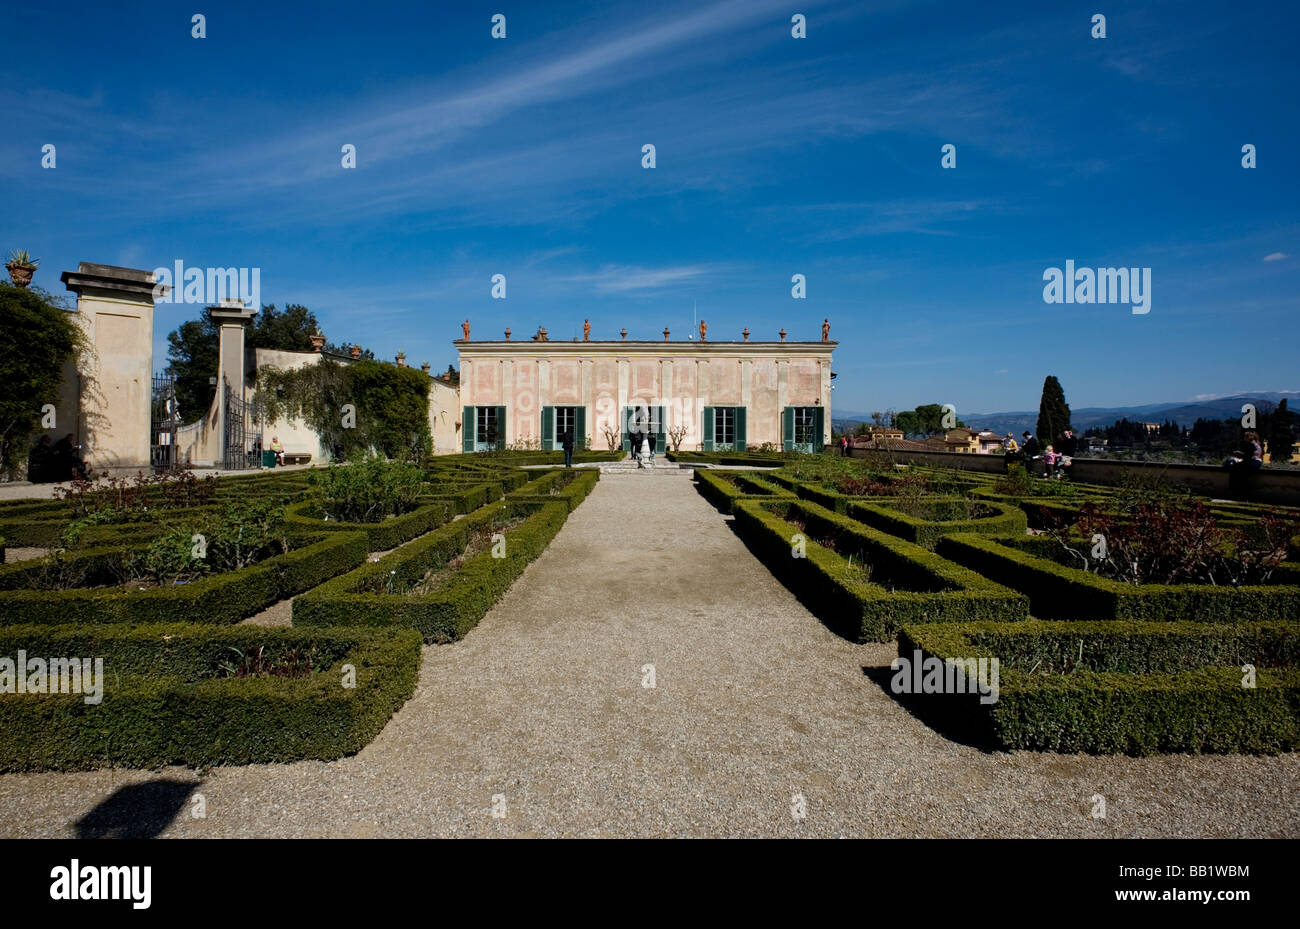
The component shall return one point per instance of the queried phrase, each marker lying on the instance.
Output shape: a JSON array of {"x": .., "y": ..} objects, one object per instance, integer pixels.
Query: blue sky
[{"x": 775, "y": 156}]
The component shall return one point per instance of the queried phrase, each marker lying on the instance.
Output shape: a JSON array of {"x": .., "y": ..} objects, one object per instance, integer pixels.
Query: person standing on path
[{"x": 566, "y": 442}]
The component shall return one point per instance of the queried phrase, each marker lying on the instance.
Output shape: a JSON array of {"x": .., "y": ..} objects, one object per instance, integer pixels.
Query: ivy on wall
[
  {"x": 37, "y": 337},
  {"x": 355, "y": 408}
]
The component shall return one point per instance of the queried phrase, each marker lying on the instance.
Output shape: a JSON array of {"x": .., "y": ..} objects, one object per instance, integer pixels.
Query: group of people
[
  {"x": 1248, "y": 459},
  {"x": 55, "y": 461},
  {"x": 640, "y": 438},
  {"x": 1057, "y": 457}
]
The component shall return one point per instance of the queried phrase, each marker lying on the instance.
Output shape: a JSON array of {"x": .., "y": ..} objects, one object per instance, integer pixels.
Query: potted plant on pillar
[{"x": 21, "y": 267}]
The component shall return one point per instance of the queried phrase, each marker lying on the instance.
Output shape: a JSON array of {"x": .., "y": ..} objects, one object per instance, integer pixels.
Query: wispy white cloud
[
  {"x": 626, "y": 278},
  {"x": 1275, "y": 256}
]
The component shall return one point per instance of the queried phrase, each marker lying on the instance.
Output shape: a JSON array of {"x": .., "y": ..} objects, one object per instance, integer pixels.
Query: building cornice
[
  {"x": 638, "y": 347},
  {"x": 91, "y": 277}
]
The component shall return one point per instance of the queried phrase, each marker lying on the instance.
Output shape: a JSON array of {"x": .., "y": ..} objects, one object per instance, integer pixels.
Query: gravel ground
[
  {"x": 15, "y": 555},
  {"x": 542, "y": 706}
]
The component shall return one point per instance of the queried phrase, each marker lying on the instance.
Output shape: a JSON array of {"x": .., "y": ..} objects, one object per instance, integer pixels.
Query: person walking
[
  {"x": 566, "y": 442},
  {"x": 651, "y": 439},
  {"x": 1029, "y": 449}
]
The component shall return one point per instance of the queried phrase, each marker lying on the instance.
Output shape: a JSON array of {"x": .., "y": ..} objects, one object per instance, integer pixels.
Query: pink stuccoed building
[{"x": 725, "y": 395}]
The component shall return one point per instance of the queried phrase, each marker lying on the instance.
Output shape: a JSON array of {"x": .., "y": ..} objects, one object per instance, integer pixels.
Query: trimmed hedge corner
[
  {"x": 927, "y": 588},
  {"x": 307, "y": 515},
  {"x": 1057, "y": 591},
  {"x": 172, "y": 694},
  {"x": 942, "y": 516},
  {"x": 569, "y": 487},
  {"x": 219, "y": 598},
  {"x": 724, "y": 488},
  {"x": 449, "y": 612},
  {"x": 1108, "y": 687}
]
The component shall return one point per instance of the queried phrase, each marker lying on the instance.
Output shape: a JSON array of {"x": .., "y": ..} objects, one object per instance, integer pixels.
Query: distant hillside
[{"x": 1183, "y": 412}]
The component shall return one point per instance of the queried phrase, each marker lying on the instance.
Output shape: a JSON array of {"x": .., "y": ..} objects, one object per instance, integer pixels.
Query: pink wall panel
[
  {"x": 724, "y": 376},
  {"x": 644, "y": 381},
  {"x": 566, "y": 388},
  {"x": 527, "y": 412},
  {"x": 805, "y": 383},
  {"x": 684, "y": 380},
  {"x": 487, "y": 382}
]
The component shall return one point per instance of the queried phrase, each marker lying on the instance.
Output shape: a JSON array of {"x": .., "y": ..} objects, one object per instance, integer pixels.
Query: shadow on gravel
[
  {"x": 949, "y": 718},
  {"x": 137, "y": 811}
]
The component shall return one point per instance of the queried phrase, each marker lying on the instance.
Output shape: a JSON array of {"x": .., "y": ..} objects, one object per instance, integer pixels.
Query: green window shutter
[
  {"x": 580, "y": 427},
  {"x": 548, "y": 428},
  {"x": 819, "y": 429},
  {"x": 626, "y": 429},
  {"x": 660, "y": 430},
  {"x": 501, "y": 427},
  {"x": 740, "y": 428},
  {"x": 787, "y": 428},
  {"x": 708, "y": 429},
  {"x": 468, "y": 429}
]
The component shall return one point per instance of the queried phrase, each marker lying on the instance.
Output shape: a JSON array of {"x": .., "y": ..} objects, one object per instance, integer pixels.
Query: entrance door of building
[{"x": 644, "y": 418}]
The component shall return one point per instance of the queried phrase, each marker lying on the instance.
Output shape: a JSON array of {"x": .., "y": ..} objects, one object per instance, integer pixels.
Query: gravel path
[{"x": 542, "y": 706}]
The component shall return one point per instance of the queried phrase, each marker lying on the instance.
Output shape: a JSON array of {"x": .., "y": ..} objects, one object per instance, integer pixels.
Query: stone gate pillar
[
  {"x": 231, "y": 316},
  {"x": 115, "y": 311}
]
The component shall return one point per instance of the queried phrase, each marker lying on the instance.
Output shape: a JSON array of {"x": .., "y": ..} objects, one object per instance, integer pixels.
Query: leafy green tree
[
  {"x": 926, "y": 419},
  {"x": 287, "y": 330},
  {"x": 346, "y": 349},
  {"x": 1280, "y": 436},
  {"x": 37, "y": 338},
  {"x": 1053, "y": 411},
  {"x": 192, "y": 360},
  {"x": 192, "y": 354}
]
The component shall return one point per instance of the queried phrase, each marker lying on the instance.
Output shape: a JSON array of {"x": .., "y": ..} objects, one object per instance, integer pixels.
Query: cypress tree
[
  {"x": 1280, "y": 438},
  {"x": 1053, "y": 412}
]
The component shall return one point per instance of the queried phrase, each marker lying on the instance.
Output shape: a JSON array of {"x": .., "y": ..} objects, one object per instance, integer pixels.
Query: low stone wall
[{"x": 1267, "y": 485}]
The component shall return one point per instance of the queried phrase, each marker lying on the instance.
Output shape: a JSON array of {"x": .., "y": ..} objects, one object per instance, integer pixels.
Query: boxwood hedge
[
  {"x": 307, "y": 515},
  {"x": 724, "y": 488},
  {"x": 219, "y": 598},
  {"x": 937, "y": 517},
  {"x": 569, "y": 487},
  {"x": 449, "y": 612},
  {"x": 1120, "y": 687},
  {"x": 166, "y": 699},
  {"x": 925, "y": 587},
  {"x": 1057, "y": 591}
]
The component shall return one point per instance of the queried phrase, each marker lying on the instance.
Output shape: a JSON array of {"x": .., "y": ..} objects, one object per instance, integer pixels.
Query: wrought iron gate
[
  {"x": 163, "y": 451},
  {"x": 236, "y": 451}
]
